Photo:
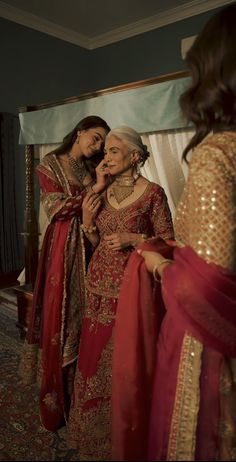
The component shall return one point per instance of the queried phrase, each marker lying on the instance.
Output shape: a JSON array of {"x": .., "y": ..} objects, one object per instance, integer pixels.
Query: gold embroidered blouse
[
  {"x": 150, "y": 215},
  {"x": 206, "y": 215}
]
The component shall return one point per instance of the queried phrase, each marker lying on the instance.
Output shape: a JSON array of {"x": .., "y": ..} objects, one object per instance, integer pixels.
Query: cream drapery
[{"x": 165, "y": 165}]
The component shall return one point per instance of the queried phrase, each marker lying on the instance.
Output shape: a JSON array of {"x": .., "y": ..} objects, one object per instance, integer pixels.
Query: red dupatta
[
  {"x": 203, "y": 297},
  {"x": 59, "y": 296},
  {"x": 139, "y": 315},
  {"x": 200, "y": 299}
]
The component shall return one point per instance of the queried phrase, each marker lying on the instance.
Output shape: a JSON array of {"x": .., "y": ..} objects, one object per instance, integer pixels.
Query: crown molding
[
  {"x": 156, "y": 21},
  {"x": 42, "y": 25},
  {"x": 164, "y": 18}
]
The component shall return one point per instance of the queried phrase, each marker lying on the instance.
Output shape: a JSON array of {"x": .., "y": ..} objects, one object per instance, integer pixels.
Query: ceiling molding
[
  {"x": 156, "y": 21},
  {"x": 179, "y": 13},
  {"x": 42, "y": 25}
]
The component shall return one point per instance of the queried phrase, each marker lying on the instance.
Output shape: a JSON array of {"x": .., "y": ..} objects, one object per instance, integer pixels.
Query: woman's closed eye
[
  {"x": 111, "y": 151},
  {"x": 97, "y": 138}
]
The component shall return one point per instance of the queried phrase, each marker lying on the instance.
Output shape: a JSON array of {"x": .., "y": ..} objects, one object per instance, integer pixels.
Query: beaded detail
[
  {"x": 206, "y": 215},
  {"x": 78, "y": 168}
]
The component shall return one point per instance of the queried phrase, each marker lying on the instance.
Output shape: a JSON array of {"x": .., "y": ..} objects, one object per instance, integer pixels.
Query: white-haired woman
[{"x": 132, "y": 208}]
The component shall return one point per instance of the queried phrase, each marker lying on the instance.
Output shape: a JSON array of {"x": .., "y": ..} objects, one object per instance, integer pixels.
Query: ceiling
[{"x": 95, "y": 23}]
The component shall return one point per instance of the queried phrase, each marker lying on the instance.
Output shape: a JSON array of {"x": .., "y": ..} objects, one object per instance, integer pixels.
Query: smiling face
[
  {"x": 91, "y": 140},
  {"x": 118, "y": 156}
]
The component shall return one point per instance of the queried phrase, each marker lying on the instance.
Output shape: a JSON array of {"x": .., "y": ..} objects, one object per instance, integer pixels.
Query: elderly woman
[{"x": 133, "y": 209}]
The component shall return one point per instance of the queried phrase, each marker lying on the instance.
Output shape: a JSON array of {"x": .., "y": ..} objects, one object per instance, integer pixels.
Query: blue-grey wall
[
  {"x": 36, "y": 68},
  {"x": 147, "y": 55}
]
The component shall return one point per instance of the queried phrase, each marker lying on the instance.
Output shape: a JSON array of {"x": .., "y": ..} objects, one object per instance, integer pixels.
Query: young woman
[
  {"x": 65, "y": 176},
  {"x": 194, "y": 402}
]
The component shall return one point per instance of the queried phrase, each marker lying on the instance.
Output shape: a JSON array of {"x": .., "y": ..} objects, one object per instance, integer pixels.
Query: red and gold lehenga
[
  {"x": 51, "y": 347},
  {"x": 89, "y": 423},
  {"x": 194, "y": 399}
]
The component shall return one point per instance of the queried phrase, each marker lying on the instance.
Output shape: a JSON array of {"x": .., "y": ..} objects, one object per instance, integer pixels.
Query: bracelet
[
  {"x": 144, "y": 237},
  {"x": 156, "y": 268},
  {"x": 89, "y": 230}
]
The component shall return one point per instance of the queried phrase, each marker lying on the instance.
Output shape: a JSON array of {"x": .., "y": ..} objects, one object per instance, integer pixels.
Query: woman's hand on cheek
[{"x": 102, "y": 173}]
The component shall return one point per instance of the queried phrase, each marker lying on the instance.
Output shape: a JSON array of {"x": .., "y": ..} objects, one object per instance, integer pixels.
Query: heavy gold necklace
[
  {"x": 78, "y": 167},
  {"x": 123, "y": 187}
]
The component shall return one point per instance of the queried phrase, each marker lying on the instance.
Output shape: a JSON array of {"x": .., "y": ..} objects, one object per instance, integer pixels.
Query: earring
[
  {"x": 138, "y": 171},
  {"x": 77, "y": 139}
]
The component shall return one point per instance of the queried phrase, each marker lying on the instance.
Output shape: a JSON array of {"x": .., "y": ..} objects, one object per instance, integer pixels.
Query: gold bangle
[
  {"x": 144, "y": 237},
  {"x": 88, "y": 230},
  {"x": 154, "y": 273},
  {"x": 156, "y": 268}
]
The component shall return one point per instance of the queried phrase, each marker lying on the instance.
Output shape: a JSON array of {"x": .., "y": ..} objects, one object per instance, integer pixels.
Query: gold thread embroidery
[
  {"x": 90, "y": 420},
  {"x": 205, "y": 217},
  {"x": 182, "y": 439}
]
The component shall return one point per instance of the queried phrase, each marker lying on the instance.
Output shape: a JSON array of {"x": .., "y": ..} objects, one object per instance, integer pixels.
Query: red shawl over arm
[
  {"x": 203, "y": 299},
  {"x": 198, "y": 333},
  {"x": 139, "y": 315}
]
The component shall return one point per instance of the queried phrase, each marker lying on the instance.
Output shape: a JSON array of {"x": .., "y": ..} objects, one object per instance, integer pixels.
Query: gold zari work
[
  {"x": 78, "y": 168},
  {"x": 206, "y": 221},
  {"x": 93, "y": 440},
  {"x": 186, "y": 407},
  {"x": 205, "y": 217}
]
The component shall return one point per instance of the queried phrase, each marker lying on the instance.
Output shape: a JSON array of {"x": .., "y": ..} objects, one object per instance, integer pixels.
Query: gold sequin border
[{"x": 182, "y": 439}]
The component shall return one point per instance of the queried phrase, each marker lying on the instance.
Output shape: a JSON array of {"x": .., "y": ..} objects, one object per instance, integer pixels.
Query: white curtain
[{"x": 165, "y": 165}]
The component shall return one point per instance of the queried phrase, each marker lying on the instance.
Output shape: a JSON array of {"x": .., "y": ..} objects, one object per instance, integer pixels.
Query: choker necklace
[
  {"x": 78, "y": 168},
  {"x": 123, "y": 187}
]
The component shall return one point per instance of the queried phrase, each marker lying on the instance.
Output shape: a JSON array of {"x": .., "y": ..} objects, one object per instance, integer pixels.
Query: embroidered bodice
[
  {"x": 148, "y": 215},
  {"x": 206, "y": 215}
]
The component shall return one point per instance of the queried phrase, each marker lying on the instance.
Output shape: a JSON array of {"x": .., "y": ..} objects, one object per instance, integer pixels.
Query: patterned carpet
[{"x": 21, "y": 435}]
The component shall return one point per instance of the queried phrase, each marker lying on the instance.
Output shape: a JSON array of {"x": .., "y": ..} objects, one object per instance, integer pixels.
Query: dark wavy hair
[
  {"x": 92, "y": 121},
  {"x": 210, "y": 102}
]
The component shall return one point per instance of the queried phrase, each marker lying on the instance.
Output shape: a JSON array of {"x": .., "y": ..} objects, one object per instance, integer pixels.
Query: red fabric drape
[
  {"x": 139, "y": 315},
  {"x": 200, "y": 300},
  {"x": 58, "y": 301},
  {"x": 202, "y": 296}
]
